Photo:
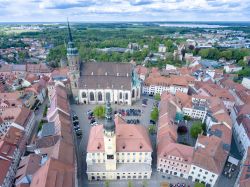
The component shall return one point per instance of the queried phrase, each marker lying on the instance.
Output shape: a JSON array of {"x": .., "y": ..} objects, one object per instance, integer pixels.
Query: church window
[
  {"x": 133, "y": 93},
  {"x": 126, "y": 96},
  {"x": 92, "y": 97},
  {"x": 84, "y": 95},
  {"x": 107, "y": 96},
  {"x": 120, "y": 95},
  {"x": 99, "y": 96}
]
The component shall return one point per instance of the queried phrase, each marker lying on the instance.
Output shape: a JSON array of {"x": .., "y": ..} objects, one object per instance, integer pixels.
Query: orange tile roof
[
  {"x": 54, "y": 173},
  {"x": 129, "y": 138},
  {"x": 213, "y": 156},
  {"x": 28, "y": 166},
  {"x": 244, "y": 180}
]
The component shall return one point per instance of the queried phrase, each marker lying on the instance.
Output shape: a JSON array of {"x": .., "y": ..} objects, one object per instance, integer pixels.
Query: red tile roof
[{"x": 129, "y": 138}]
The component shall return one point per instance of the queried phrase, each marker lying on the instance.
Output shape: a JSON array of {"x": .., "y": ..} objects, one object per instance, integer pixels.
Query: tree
[
  {"x": 99, "y": 111},
  {"x": 245, "y": 72},
  {"x": 106, "y": 183},
  {"x": 157, "y": 97},
  {"x": 130, "y": 183},
  {"x": 144, "y": 183},
  {"x": 152, "y": 129},
  {"x": 197, "y": 184},
  {"x": 227, "y": 54},
  {"x": 188, "y": 118},
  {"x": 196, "y": 129},
  {"x": 154, "y": 114}
]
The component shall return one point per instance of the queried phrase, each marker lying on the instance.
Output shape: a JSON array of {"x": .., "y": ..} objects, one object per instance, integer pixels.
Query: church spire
[
  {"x": 109, "y": 124},
  {"x": 69, "y": 30}
]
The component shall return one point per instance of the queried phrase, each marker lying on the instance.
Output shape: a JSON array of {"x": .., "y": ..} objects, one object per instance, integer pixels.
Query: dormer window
[
  {"x": 117, "y": 74},
  {"x": 106, "y": 73},
  {"x": 92, "y": 73}
]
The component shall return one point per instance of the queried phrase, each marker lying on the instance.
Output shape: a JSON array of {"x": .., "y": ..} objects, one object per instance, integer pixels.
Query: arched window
[
  {"x": 99, "y": 96},
  {"x": 91, "y": 96},
  {"x": 120, "y": 95},
  {"x": 126, "y": 96},
  {"x": 107, "y": 96},
  {"x": 84, "y": 95},
  {"x": 138, "y": 91},
  {"x": 133, "y": 93}
]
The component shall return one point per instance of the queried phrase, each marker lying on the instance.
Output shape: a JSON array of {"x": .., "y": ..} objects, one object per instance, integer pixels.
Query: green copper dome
[{"x": 109, "y": 124}]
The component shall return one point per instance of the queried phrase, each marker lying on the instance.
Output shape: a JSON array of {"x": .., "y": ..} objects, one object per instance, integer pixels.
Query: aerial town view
[{"x": 125, "y": 93}]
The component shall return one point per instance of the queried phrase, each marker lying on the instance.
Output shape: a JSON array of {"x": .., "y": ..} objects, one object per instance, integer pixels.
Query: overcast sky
[{"x": 124, "y": 10}]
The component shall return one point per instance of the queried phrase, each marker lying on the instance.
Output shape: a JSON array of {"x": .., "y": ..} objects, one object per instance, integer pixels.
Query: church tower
[
  {"x": 109, "y": 139},
  {"x": 73, "y": 63}
]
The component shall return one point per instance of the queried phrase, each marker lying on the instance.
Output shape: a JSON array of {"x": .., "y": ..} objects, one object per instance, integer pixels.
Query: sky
[{"x": 123, "y": 10}]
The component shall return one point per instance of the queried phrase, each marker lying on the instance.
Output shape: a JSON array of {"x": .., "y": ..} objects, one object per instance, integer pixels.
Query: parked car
[
  {"x": 76, "y": 123},
  {"x": 79, "y": 133},
  {"x": 92, "y": 121},
  {"x": 76, "y": 128},
  {"x": 89, "y": 112},
  {"x": 94, "y": 124},
  {"x": 152, "y": 122}
]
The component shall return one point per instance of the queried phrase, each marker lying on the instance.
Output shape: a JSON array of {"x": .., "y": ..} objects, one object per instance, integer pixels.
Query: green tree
[
  {"x": 152, "y": 129},
  {"x": 130, "y": 183},
  {"x": 154, "y": 114},
  {"x": 157, "y": 97},
  {"x": 99, "y": 111},
  {"x": 188, "y": 118},
  {"x": 170, "y": 45},
  {"x": 245, "y": 72},
  {"x": 106, "y": 184},
  {"x": 227, "y": 54},
  {"x": 144, "y": 183},
  {"x": 196, "y": 129},
  {"x": 242, "y": 63},
  {"x": 197, "y": 184}
]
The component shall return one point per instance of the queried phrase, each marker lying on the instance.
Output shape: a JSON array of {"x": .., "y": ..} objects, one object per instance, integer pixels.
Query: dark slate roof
[
  {"x": 104, "y": 75},
  {"x": 48, "y": 129}
]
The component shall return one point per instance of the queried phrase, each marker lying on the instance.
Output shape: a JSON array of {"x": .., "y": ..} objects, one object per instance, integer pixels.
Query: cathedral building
[
  {"x": 117, "y": 150},
  {"x": 97, "y": 82}
]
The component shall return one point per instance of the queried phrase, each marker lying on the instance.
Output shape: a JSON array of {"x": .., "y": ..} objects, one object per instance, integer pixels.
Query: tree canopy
[
  {"x": 99, "y": 111},
  {"x": 196, "y": 129},
  {"x": 154, "y": 114}
]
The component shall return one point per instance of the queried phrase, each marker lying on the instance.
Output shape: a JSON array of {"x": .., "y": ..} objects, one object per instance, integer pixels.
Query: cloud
[
  {"x": 124, "y": 10},
  {"x": 66, "y": 4}
]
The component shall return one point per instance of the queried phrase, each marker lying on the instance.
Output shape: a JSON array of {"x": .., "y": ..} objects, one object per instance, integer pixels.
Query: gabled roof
[
  {"x": 54, "y": 173},
  {"x": 27, "y": 167},
  {"x": 129, "y": 138}
]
